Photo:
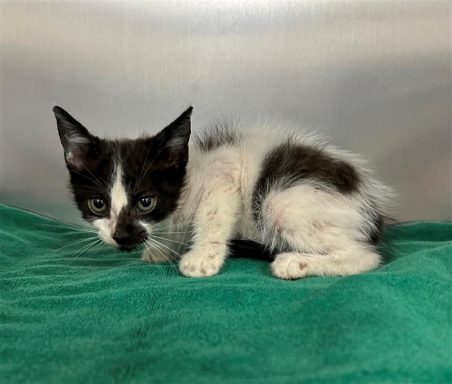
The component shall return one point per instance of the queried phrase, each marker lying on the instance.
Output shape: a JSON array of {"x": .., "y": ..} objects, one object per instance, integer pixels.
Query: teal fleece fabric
[{"x": 106, "y": 317}]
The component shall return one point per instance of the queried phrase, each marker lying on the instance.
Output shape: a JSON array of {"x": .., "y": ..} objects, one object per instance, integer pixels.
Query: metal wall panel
[{"x": 374, "y": 76}]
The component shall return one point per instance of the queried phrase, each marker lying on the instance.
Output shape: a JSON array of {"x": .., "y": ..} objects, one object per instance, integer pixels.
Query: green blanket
[{"x": 105, "y": 317}]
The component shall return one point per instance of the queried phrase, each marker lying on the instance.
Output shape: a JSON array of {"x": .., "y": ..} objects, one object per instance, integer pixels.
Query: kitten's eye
[
  {"x": 97, "y": 206},
  {"x": 146, "y": 204}
]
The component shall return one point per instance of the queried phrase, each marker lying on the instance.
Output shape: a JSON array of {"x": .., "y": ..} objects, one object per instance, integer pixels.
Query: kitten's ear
[
  {"x": 173, "y": 140},
  {"x": 80, "y": 147}
]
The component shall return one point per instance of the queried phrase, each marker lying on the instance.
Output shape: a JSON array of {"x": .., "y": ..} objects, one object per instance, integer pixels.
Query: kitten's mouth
[{"x": 129, "y": 247}]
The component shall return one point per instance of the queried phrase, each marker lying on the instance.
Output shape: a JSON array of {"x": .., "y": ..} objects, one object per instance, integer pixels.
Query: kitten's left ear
[
  {"x": 173, "y": 140},
  {"x": 80, "y": 147}
]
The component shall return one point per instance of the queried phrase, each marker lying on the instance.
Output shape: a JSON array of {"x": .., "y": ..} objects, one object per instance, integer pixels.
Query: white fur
[
  {"x": 118, "y": 194},
  {"x": 118, "y": 201},
  {"x": 216, "y": 216},
  {"x": 320, "y": 228},
  {"x": 104, "y": 230},
  {"x": 325, "y": 229}
]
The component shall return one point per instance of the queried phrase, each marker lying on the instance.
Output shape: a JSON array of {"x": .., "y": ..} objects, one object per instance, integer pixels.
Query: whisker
[
  {"x": 77, "y": 233},
  {"x": 149, "y": 166},
  {"x": 142, "y": 168},
  {"x": 144, "y": 173},
  {"x": 165, "y": 233},
  {"x": 164, "y": 246},
  {"x": 167, "y": 257},
  {"x": 64, "y": 225},
  {"x": 171, "y": 240},
  {"x": 84, "y": 249},
  {"x": 69, "y": 226},
  {"x": 95, "y": 248},
  {"x": 96, "y": 182},
  {"x": 158, "y": 246},
  {"x": 155, "y": 246},
  {"x": 150, "y": 247},
  {"x": 78, "y": 242},
  {"x": 101, "y": 183}
]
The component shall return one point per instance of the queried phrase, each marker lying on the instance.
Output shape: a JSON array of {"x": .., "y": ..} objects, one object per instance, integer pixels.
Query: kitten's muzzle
[{"x": 129, "y": 238}]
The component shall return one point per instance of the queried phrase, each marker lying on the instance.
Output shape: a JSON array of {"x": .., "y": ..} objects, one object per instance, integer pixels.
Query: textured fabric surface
[{"x": 106, "y": 317}]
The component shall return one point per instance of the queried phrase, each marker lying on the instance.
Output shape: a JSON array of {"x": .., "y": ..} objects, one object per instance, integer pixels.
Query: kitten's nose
[
  {"x": 121, "y": 236},
  {"x": 128, "y": 236}
]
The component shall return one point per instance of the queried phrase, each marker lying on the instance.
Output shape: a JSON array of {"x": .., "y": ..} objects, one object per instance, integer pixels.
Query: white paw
[
  {"x": 200, "y": 264},
  {"x": 290, "y": 266}
]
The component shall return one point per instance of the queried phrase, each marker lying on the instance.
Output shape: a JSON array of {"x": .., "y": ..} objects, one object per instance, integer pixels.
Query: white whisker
[
  {"x": 78, "y": 242},
  {"x": 150, "y": 248},
  {"x": 166, "y": 247},
  {"x": 68, "y": 227},
  {"x": 153, "y": 246},
  {"x": 171, "y": 240},
  {"x": 84, "y": 249}
]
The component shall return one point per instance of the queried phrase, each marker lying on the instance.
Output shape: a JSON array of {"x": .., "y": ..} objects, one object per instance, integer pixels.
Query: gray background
[{"x": 374, "y": 76}]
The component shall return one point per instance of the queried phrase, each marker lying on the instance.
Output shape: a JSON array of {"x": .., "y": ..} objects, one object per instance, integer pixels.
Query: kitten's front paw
[{"x": 200, "y": 264}]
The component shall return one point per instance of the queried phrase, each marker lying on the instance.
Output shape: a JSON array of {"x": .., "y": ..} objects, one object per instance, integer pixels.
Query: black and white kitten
[{"x": 317, "y": 209}]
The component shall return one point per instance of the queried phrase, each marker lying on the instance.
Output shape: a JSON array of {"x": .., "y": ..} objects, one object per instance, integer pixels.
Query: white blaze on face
[
  {"x": 118, "y": 200},
  {"x": 118, "y": 196}
]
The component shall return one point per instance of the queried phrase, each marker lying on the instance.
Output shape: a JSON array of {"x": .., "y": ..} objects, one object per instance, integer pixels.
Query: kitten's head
[{"x": 123, "y": 187}]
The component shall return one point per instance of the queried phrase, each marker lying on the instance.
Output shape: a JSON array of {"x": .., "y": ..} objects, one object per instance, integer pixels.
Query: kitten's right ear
[
  {"x": 173, "y": 141},
  {"x": 80, "y": 147}
]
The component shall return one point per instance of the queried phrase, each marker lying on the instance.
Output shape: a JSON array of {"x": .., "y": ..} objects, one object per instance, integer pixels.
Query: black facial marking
[
  {"x": 128, "y": 234},
  {"x": 294, "y": 162},
  {"x": 153, "y": 167},
  {"x": 217, "y": 135}
]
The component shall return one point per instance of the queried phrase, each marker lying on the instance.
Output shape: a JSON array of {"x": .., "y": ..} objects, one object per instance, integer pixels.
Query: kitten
[{"x": 315, "y": 208}]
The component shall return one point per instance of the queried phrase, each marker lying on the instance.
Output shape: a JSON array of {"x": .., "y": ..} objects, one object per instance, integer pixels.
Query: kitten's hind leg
[
  {"x": 296, "y": 265},
  {"x": 317, "y": 233}
]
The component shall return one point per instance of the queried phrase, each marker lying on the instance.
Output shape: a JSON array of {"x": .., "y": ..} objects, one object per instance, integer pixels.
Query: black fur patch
[
  {"x": 250, "y": 250},
  {"x": 217, "y": 135},
  {"x": 293, "y": 162}
]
